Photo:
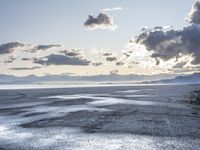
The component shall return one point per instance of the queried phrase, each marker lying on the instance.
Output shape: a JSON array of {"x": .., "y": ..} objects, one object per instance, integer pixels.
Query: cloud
[
  {"x": 24, "y": 68},
  {"x": 166, "y": 44},
  {"x": 102, "y": 21},
  {"x": 194, "y": 15},
  {"x": 10, "y": 59},
  {"x": 170, "y": 44},
  {"x": 180, "y": 65},
  {"x": 111, "y": 9},
  {"x": 120, "y": 63},
  {"x": 97, "y": 64},
  {"x": 13, "y": 46},
  {"x": 157, "y": 50},
  {"x": 55, "y": 59},
  {"x": 72, "y": 53},
  {"x": 26, "y": 59},
  {"x": 126, "y": 55},
  {"x": 111, "y": 59},
  {"x": 107, "y": 54},
  {"x": 114, "y": 71},
  {"x": 9, "y": 47},
  {"x": 50, "y": 54},
  {"x": 43, "y": 47}
]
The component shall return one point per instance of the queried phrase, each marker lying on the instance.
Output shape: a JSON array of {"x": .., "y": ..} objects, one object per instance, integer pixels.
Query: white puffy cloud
[{"x": 102, "y": 21}]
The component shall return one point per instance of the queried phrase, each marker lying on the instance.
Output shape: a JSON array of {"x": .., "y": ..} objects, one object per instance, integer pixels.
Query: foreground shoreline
[
  {"x": 105, "y": 117},
  {"x": 27, "y": 86}
]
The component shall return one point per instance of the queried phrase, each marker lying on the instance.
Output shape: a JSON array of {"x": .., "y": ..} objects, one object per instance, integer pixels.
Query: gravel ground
[{"x": 144, "y": 117}]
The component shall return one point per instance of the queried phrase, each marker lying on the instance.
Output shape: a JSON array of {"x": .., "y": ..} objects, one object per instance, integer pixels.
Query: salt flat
[{"x": 99, "y": 117}]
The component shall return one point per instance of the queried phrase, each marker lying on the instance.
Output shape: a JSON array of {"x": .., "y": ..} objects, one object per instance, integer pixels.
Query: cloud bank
[{"x": 14, "y": 55}]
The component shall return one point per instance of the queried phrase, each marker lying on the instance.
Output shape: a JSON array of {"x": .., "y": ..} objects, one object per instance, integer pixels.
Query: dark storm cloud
[
  {"x": 9, "y": 47},
  {"x": 54, "y": 59},
  {"x": 194, "y": 15},
  {"x": 102, "y": 21},
  {"x": 24, "y": 68}
]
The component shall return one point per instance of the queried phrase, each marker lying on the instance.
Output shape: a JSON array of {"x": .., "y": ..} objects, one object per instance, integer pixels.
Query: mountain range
[
  {"x": 11, "y": 79},
  {"x": 152, "y": 79},
  {"x": 194, "y": 78}
]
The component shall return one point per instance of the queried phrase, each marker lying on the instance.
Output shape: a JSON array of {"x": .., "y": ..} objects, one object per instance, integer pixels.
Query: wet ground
[{"x": 144, "y": 117}]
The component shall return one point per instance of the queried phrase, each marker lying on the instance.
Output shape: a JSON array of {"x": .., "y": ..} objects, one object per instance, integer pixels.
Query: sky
[{"x": 92, "y": 37}]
